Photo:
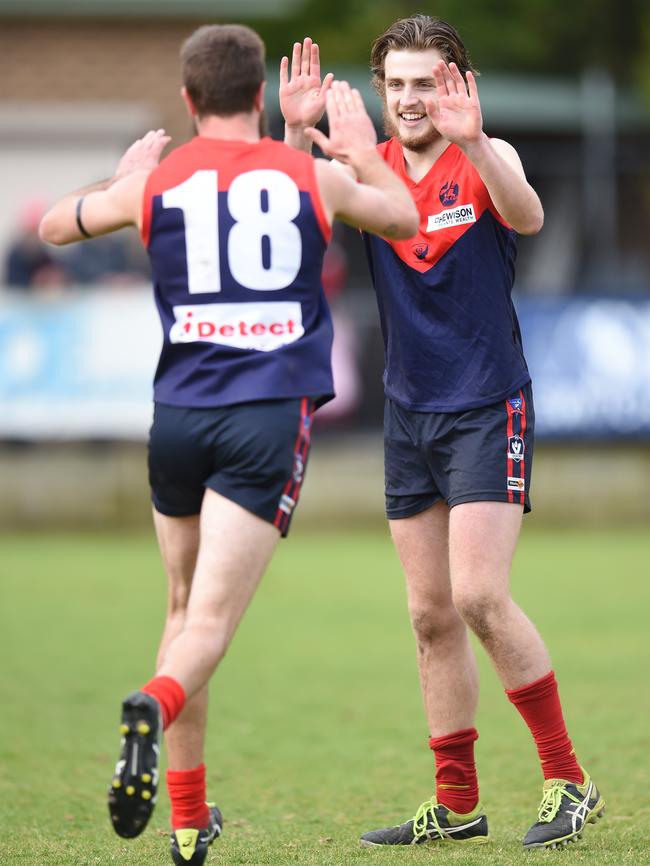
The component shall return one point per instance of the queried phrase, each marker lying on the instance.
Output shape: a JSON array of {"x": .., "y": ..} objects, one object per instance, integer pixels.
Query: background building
[{"x": 78, "y": 334}]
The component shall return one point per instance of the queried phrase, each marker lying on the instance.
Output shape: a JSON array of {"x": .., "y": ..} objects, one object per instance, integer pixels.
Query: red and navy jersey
[
  {"x": 451, "y": 336},
  {"x": 236, "y": 234}
]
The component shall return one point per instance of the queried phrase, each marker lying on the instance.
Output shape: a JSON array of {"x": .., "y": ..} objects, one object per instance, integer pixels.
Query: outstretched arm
[
  {"x": 110, "y": 204},
  {"x": 379, "y": 202},
  {"x": 456, "y": 114},
  {"x": 302, "y": 96}
]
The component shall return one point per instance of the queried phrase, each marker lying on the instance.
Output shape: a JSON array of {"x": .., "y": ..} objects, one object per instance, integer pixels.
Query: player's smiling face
[{"x": 409, "y": 81}]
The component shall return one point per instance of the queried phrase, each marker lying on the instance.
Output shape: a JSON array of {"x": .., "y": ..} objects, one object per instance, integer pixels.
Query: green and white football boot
[
  {"x": 565, "y": 809},
  {"x": 433, "y": 822}
]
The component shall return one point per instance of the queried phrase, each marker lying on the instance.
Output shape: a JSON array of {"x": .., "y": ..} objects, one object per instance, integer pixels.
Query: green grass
[{"x": 317, "y": 731}]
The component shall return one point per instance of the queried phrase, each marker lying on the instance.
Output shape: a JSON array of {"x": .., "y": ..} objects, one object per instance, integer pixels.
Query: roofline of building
[{"x": 120, "y": 9}]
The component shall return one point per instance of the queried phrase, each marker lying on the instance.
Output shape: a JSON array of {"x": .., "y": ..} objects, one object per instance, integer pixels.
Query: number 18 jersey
[{"x": 236, "y": 234}]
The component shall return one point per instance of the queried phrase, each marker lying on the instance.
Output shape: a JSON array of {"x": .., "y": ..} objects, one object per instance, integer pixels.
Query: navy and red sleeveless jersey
[
  {"x": 236, "y": 233},
  {"x": 451, "y": 336}
]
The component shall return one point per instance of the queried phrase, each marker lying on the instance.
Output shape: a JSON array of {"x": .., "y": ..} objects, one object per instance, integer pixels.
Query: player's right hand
[
  {"x": 143, "y": 154},
  {"x": 302, "y": 97},
  {"x": 351, "y": 131}
]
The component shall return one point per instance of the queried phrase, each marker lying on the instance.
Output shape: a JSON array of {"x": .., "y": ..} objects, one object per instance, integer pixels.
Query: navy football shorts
[
  {"x": 254, "y": 454},
  {"x": 478, "y": 455}
]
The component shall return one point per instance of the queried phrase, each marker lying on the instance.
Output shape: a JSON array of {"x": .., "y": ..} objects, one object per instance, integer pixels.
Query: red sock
[
  {"x": 187, "y": 794},
  {"x": 539, "y": 706},
  {"x": 456, "y": 782},
  {"x": 170, "y": 695}
]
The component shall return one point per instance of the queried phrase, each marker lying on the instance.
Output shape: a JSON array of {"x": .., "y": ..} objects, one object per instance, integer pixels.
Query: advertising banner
[
  {"x": 590, "y": 363},
  {"x": 78, "y": 367},
  {"x": 82, "y": 365}
]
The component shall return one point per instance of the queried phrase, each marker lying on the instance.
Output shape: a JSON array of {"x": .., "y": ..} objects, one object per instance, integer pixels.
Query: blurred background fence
[{"x": 78, "y": 330}]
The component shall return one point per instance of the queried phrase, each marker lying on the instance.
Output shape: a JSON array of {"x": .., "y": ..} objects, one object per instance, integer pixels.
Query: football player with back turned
[{"x": 236, "y": 226}]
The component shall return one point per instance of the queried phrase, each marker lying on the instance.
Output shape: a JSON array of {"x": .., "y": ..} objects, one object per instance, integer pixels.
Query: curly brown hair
[{"x": 417, "y": 33}]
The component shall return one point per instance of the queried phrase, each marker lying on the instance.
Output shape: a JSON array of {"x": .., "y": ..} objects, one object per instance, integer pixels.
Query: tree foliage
[{"x": 547, "y": 37}]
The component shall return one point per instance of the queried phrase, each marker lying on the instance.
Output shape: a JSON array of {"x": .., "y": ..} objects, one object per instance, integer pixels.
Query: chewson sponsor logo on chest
[
  {"x": 263, "y": 326},
  {"x": 457, "y": 216}
]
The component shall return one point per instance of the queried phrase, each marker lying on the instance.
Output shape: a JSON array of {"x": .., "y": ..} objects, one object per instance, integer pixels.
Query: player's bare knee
[
  {"x": 432, "y": 624},
  {"x": 480, "y": 610}
]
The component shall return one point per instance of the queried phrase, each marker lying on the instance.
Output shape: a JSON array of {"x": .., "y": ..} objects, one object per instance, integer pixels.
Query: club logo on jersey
[
  {"x": 516, "y": 448},
  {"x": 448, "y": 194},
  {"x": 421, "y": 250},
  {"x": 516, "y": 404},
  {"x": 262, "y": 326},
  {"x": 459, "y": 216},
  {"x": 516, "y": 484}
]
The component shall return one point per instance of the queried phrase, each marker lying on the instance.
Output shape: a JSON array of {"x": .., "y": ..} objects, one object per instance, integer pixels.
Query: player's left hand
[
  {"x": 303, "y": 95},
  {"x": 143, "y": 154},
  {"x": 456, "y": 110}
]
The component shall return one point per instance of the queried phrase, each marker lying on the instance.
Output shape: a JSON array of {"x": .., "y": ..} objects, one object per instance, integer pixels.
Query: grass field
[{"x": 317, "y": 732}]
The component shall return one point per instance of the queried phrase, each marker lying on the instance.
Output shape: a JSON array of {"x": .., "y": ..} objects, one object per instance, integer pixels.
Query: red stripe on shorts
[
  {"x": 300, "y": 449},
  {"x": 510, "y": 467},
  {"x": 522, "y": 464}
]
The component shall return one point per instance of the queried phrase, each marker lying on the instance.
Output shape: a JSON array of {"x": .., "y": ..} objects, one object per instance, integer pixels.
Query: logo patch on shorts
[
  {"x": 286, "y": 504},
  {"x": 516, "y": 448},
  {"x": 516, "y": 404},
  {"x": 298, "y": 469},
  {"x": 516, "y": 484}
]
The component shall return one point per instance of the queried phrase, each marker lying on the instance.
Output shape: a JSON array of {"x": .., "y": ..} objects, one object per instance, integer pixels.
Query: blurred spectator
[
  {"x": 110, "y": 260},
  {"x": 29, "y": 263},
  {"x": 114, "y": 260}
]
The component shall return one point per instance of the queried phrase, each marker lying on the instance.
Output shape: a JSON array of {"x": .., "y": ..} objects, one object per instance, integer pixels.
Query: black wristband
[{"x": 80, "y": 225}]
